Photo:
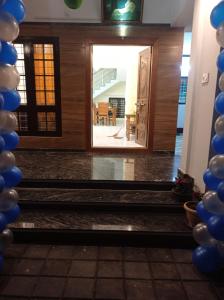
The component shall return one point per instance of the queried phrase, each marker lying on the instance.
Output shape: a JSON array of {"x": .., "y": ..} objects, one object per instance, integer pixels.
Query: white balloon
[
  {"x": 7, "y": 161},
  {"x": 212, "y": 203},
  {"x": 9, "y": 77},
  {"x": 8, "y": 199},
  {"x": 8, "y": 122},
  {"x": 219, "y": 126},
  {"x": 220, "y": 35},
  {"x": 202, "y": 235},
  {"x": 9, "y": 28},
  {"x": 216, "y": 166}
]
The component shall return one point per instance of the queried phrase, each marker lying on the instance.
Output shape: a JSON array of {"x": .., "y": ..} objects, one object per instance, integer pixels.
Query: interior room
[
  {"x": 115, "y": 88},
  {"x": 111, "y": 149}
]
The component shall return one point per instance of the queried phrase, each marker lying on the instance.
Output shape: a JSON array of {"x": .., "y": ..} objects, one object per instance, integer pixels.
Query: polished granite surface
[
  {"x": 90, "y": 220},
  {"x": 96, "y": 196},
  {"x": 81, "y": 166}
]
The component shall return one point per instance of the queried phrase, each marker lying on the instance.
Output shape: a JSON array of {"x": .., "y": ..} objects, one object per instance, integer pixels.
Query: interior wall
[
  {"x": 75, "y": 53},
  {"x": 117, "y": 91},
  {"x": 200, "y": 98}
]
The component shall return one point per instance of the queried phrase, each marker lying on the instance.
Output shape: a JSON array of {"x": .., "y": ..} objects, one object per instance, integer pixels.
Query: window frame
[{"x": 31, "y": 108}]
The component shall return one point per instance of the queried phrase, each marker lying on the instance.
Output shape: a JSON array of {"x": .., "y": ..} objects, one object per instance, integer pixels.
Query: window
[
  {"x": 183, "y": 90},
  {"x": 39, "y": 87}
]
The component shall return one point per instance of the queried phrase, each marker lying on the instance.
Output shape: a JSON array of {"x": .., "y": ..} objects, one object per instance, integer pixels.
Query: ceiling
[{"x": 177, "y": 13}]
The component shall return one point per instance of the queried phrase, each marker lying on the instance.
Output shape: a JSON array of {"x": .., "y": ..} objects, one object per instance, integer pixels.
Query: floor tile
[
  {"x": 139, "y": 290},
  {"x": 79, "y": 288},
  {"x": 159, "y": 255},
  {"x": 219, "y": 288},
  {"x": 83, "y": 268},
  {"x": 61, "y": 252},
  {"x": 164, "y": 271},
  {"x": 109, "y": 269},
  {"x": 49, "y": 287},
  {"x": 85, "y": 252},
  {"x": 56, "y": 267},
  {"x": 182, "y": 255},
  {"x": 199, "y": 291},
  {"x": 135, "y": 254},
  {"x": 189, "y": 272},
  {"x": 169, "y": 290},
  {"x": 29, "y": 267},
  {"x": 37, "y": 251},
  {"x": 138, "y": 270},
  {"x": 109, "y": 289},
  {"x": 15, "y": 250},
  {"x": 19, "y": 286},
  {"x": 110, "y": 253},
  {"x": 9, "y": 266}
]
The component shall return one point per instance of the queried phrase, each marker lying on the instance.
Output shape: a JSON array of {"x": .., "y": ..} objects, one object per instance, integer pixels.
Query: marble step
[
  {"x": 156, "y": 185},
  {"x": 81, "y": 198},
  {"x": 63, "y": 226}
]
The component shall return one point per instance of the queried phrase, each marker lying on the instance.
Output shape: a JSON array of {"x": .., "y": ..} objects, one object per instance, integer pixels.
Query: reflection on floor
[
  {"x": 84, "y": 166},
  {"x": 113, "y": 136},
  {"x": 91, "y": 272}
]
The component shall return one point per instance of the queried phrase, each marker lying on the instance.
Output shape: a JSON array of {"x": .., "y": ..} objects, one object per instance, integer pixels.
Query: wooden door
[{"x": 142, "y": 105}]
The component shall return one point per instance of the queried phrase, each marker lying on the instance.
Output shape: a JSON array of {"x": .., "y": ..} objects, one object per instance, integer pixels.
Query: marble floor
[
  {"x": 85, "y": 166},
  {"x": 34, "y": 272},
  {"x": 113, "y": 137}
]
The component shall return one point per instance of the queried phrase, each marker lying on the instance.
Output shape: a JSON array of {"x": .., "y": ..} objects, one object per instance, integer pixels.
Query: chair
[
  {"x": 130, "y": 125},
  {"x": 113, "y": 116},
  {"x": 94, "y": 111},
  {"x": 103, "y": 112}
]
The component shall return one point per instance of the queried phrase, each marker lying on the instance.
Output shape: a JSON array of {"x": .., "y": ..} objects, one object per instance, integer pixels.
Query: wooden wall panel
[{"x": 75, "y": 41}]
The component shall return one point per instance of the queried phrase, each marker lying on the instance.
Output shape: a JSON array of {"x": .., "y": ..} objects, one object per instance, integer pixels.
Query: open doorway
[{"x": 120, "y": 96}]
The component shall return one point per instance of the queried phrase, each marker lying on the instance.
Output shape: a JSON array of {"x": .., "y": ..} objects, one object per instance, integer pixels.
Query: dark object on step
[{"x": 184, "y": 188}]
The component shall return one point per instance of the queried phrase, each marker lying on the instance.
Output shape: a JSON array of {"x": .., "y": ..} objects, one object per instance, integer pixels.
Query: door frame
[{"x": 121, "y": 41}]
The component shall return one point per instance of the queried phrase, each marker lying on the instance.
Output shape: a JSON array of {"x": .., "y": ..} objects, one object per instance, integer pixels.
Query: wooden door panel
[{"x": 142, "y": 108}]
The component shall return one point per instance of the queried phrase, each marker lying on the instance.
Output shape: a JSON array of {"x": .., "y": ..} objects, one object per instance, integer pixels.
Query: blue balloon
[
  {"x": 12, "y": 100},
  {"x": 2, "y": 183},
  {"x": 206, "y": 258},
  {"x": 220, "y": 191},
  {"x": 15, "y": 8},
  {"x": 3, "y": 222},
  {"x": 219, "y": 103},
  {"x": 11, "y": 140},
  {"x": 220, "y": 61},
  {"x": 211, "y": 181},
  {"x": 2, "y": 144},
  {"x": 12, "y": 214},
  {"x": 203, "y": 213},
  {"x": 1, "y": 101},
  {"x": 8, "y": 54},
  {"x": 217, "y": 15},
  {"x": 12, "y": 177},
  {"x": 216, "y": 227},
  {"x": 218, "y": 144}
]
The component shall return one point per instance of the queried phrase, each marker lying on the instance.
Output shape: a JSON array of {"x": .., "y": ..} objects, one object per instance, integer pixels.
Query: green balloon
[{"x": 73, "y": 4}]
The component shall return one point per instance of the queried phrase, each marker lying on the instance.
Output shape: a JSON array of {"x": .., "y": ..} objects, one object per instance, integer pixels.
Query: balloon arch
[
  {"x": 12, "y": 12},
  {"x": 209, "y": 256}
]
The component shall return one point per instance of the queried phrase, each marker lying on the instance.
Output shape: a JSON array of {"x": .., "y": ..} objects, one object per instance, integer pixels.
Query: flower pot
[{"x": 191, "y": 213}]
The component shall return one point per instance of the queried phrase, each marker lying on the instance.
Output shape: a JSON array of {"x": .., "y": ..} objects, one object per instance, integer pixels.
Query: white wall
[
  {"x": 117, "y": 91},
  {"x": 200, "y": 98}
]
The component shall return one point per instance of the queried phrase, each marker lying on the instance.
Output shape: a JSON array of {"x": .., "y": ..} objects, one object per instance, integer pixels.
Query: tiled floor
[{"x": 78, "y": 272}]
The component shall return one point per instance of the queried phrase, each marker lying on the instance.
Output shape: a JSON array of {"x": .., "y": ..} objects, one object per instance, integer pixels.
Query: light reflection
[{"x": 123, "y": 30}]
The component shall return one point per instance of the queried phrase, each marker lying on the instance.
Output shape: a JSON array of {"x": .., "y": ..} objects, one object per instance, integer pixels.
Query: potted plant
[
  {"x": 187, "y": 192},
  {"x": 190, "y": 208}
]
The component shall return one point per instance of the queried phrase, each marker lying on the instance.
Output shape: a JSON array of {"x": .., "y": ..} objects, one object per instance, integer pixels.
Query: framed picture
[{"x": 122, "y": 11}]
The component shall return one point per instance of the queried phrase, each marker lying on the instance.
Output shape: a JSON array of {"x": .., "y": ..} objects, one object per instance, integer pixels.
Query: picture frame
[{"x": 122, "y": 11}]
